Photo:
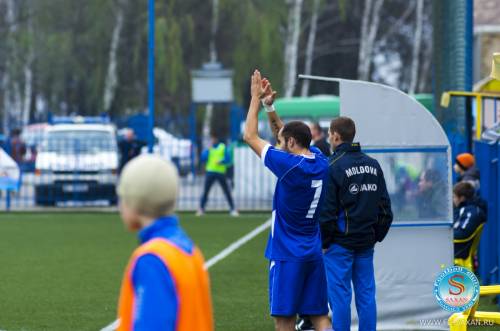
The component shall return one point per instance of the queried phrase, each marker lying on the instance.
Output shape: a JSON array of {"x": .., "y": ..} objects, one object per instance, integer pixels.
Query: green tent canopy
[{"x": 324, "y": 107}]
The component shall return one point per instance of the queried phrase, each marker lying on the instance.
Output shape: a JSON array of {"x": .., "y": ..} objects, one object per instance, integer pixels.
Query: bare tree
[
  {"x": 11, "y": 97},
  {"x": 214, "y": 27},
  {"x": 416, "y": 46},
  {"x": 423, "y": 85},
  {"x": 369, "y": 28},
  {"x": 310, "y": 47},
  {"x": 292, "y": 46},
  {"x": 28, "y": 71},
  {"x": 209, "y": 110},
  {"x": 112, "y": 78}
]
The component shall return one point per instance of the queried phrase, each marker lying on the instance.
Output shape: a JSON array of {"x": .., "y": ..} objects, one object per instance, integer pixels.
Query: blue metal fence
[{"x": 487, "y": 154}]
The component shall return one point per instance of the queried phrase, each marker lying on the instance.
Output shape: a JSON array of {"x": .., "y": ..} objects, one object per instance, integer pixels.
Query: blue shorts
[{"x": 297, "y": 288}]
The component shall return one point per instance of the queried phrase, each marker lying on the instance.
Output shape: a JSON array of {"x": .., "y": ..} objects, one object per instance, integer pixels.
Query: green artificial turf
[{"x": 63, "y": 271}]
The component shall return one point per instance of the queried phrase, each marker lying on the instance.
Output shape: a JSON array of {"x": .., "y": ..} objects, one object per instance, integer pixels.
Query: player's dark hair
[
  {"x": 299, "y": 131},
  {"x": 345, "y": 128},
  {"x": 464, "y": 189}
]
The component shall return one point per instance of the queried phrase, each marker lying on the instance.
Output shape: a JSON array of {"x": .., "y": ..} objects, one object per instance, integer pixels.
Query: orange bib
[{"x": 190, "y": 280}]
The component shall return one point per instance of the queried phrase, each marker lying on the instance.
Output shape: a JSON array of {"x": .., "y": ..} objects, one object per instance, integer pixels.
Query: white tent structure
[
  {"x": 10, "y": 176},
  {"x": 9, "y": 172},
  {"x": 409, "y": 143}
]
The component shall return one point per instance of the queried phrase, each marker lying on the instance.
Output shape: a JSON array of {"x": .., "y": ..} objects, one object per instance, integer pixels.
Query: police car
[{"x": 77, "y": 161}]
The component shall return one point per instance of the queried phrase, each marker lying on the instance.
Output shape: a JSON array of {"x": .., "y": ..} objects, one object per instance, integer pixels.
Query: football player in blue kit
[{"x": 297, "y": 280}]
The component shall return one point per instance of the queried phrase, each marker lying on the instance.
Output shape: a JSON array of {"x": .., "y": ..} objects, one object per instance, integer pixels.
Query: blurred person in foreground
[
  {"x": 217, "y": 157},
  {"x": 469, "y": 213},
  {"x": 297, "y": 280},
  {"x": 165, "y": 286},
  {"x": 319, "y": 139},
  {"x": 465, "y": 167},
  {"x": 355, "y": 216}
]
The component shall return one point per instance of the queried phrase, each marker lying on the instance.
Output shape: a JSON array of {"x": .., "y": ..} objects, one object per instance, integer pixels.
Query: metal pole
[
  {"x": 7, "y": 201},
  {"x": 322, "y": 78},
  {"x": 151, "y": 75},
  {"x": 192, "y": 128},
  {"x": 469, "y": 44},
  {"x": 468, "y": 123}
]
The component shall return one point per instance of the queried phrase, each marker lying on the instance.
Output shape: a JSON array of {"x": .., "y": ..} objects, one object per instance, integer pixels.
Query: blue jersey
[{"x": 295, "y": 233}]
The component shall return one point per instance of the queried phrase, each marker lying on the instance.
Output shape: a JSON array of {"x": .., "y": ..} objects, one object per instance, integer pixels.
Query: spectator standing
[
  {"x": 17, "y": 146},
  {"x": 465, "y": 167},
  {"x": 319, "y": 139},
  {"x": 217, "y": 159},
  {"x": 129, "y": 147}
]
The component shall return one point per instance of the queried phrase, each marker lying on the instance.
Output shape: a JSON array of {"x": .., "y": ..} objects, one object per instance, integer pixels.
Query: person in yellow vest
[
  {"x": 165, "y": 286},
  {"x": 217, "y": 159}
]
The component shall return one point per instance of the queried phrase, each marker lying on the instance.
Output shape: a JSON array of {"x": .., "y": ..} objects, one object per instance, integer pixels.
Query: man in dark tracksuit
[{"x": 355, "y": 215}]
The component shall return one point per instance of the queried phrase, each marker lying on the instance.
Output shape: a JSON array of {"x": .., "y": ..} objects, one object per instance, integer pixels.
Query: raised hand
[
  {"x": 269, "y": 94},
  {"x": 256, "y": 89},
  {"x": 251, "y": 134}
]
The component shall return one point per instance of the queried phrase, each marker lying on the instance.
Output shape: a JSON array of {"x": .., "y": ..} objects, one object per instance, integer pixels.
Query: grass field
[{"x": 63, "y": 271}]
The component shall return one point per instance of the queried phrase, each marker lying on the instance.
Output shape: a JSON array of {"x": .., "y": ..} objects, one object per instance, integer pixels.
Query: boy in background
[
  {"x": 465, "y": 167},
  {"x": 165, "y": 286},
  {"x": 469, "y": 213}
]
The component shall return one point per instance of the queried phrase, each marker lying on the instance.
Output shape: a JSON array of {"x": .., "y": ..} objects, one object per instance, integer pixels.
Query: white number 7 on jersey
[{"x": 317, "y": 184}]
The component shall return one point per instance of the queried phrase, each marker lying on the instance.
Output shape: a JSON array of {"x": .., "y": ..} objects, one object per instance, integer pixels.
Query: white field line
[
  {"x": 217, "y": 258},
  {"x": 237, "y": 244}
]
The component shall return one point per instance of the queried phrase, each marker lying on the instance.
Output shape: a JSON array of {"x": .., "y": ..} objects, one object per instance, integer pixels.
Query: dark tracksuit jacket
[
  {"x": 468, "y": 216},
  {"x": 356, "y": 212}
]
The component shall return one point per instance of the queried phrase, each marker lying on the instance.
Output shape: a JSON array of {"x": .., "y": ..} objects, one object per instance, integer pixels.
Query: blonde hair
[{"x": 149, "y": 185}]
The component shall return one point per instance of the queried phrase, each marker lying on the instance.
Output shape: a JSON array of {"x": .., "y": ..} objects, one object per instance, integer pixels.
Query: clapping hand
[
  {"x": 261, "y": 88},
  {"x": 269, "y": 94}
]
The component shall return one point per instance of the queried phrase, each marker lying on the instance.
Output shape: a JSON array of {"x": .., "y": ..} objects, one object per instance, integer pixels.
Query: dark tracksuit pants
[{"x": 210, "y": 179}]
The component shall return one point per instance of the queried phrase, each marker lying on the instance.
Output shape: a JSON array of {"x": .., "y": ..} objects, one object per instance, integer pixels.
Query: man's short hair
[
  {"x": 345, "y": 128},
  {"x": 149, "y": 185},
  {"x": 317, "y": 127},
  {"x": 464, "y": 189},
  {"x": 15, "y": 132},
  {"x": 299, "y": 131},
  {"x": 214, "y": 134}
]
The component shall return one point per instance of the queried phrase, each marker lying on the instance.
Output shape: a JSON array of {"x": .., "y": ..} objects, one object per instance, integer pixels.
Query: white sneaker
[
  {"x": 234, "y": 213},
  {"x": 200, "y": 212}
]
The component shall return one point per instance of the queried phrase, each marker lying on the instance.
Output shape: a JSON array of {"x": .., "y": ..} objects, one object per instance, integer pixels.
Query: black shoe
[{"x": 304, "y": 324}]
